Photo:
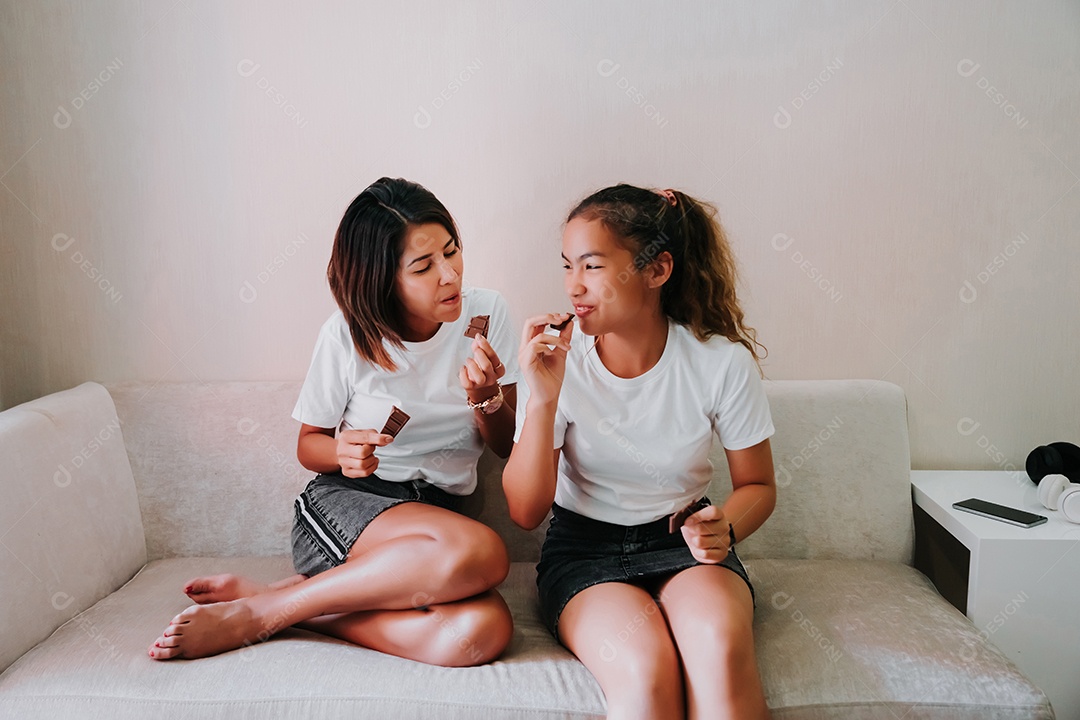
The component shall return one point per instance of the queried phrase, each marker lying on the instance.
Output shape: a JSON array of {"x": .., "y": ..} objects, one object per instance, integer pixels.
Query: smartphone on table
[{"x": 1000, "y": 512}]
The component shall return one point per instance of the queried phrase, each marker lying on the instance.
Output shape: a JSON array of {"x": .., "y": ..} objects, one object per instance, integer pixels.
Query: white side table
[{"x": 1020, "y": 586}]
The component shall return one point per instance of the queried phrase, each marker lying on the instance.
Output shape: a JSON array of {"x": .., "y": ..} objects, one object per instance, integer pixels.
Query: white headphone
[{"x": 1056, "y": 492}]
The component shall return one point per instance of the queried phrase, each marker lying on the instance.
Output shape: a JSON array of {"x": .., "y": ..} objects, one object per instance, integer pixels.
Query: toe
[
  {"x": 206, "y": 583},
  {"x": 160, "y": 653},
  {"x": 199, "y": 594},
  {"x": 184, "y": 617}
]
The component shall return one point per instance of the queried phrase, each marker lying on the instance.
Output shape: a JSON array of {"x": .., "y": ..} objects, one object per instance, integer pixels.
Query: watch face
[{"x": 493, "y": 407}]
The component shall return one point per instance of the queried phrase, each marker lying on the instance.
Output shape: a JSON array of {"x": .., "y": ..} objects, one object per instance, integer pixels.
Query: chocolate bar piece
[
  {"x": 563, "y": 324},
  {"x": 397, "y": 420},
  {"x": 677, "y": 519},
  {"x": 478, "y": 326}
]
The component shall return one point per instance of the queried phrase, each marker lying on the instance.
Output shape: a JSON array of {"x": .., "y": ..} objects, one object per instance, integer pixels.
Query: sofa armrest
[{"x": 70, "y": 529}]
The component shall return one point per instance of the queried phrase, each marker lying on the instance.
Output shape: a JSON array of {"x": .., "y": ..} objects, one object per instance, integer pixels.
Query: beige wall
[{"x": 899, "y": 180}]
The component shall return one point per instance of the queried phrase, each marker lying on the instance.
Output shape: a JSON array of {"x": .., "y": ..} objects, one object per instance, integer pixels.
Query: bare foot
[
  {"x": 204, "y": 630},
  {"x": 222, "y": 588}
]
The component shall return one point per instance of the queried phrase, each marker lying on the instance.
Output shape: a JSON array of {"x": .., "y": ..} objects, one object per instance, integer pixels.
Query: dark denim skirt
[
  {"x": 333, "y": 510},
  {"x": 580, "y": 552}
]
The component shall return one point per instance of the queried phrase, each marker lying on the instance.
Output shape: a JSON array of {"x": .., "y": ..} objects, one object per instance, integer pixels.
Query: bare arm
[
  {"x": 530, "y": 473},
  {"x": 754, "y": 496},
  {"x": 316, "y": 449},
  {"x": 497, "y": 429},
  {"x": 480, "y": 377}
]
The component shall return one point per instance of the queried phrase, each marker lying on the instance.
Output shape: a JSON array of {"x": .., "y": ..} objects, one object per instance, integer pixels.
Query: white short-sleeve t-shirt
[
  {"x": 637, "y": 449},
  {"x": 441, "y": 442}
]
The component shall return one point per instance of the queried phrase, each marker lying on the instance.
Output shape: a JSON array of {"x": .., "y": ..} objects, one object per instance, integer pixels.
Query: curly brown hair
[{"x": 700, "y": 294}]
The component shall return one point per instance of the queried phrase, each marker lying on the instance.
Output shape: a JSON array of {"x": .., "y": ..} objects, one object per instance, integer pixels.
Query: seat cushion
[
  {"x": 96, "y": 666},
  {"x": 835, "y": 639},
  {"x": 865, "y": 639}
]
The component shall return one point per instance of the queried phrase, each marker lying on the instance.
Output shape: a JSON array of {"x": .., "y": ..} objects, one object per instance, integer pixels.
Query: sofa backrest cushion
[
  {"x": 217, "y": 471},
  {"x": 69, "y": 521},
  {"x": 843, "y": 473},
  {"x": 215, "y": 465},
  {"x": 843, "y": 476}
]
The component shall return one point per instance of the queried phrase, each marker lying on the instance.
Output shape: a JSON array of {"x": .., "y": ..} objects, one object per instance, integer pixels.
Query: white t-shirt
[
  {"x": 441, "y": 441},
  {"x": 637, "y": 449}
]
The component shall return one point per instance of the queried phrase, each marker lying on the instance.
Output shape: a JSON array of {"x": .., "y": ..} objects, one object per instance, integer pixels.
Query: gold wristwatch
[{"x": 489, "y": 406}]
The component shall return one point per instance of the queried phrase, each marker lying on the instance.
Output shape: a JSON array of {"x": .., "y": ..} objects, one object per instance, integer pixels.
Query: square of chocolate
[
  {"x": 478, "y": 326},
  {"x": 677, "y": 519},
  {"x": 395, "y": 422},
  {"x": 563, "y": 324}
]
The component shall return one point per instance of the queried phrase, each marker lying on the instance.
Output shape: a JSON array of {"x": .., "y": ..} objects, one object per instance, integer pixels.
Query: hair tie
[{"x": 669, "y": 196}]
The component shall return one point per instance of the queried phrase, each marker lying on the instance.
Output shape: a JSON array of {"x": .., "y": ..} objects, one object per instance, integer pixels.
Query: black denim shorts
[
  {"x": 333, "y": 510},
  {"x": 580, "y": 552}
]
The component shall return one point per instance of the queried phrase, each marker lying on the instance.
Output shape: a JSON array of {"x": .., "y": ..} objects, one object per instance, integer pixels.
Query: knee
[
  {"x": 493, "y": 556},
  {"x": 478, "y": 552},
  {"x": 730, "y": 646},
  {"x": 472, "y": 635},
  {"x": 647, "y": 678},
  {"x": 489, "y": 630}
]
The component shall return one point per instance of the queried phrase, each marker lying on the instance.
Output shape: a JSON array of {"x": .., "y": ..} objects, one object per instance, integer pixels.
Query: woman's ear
[{"x": 659, "y": 270}]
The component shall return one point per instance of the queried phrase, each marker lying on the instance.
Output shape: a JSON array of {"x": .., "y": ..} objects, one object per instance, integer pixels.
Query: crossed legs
[
  {"x": 418, "y": 583},
  {"x": 688, "y": 655}
]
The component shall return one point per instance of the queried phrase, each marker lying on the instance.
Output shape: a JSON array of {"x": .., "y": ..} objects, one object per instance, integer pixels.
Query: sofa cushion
[
  {"x": 866, "y": 639},
  {"x": 230, "y": 456},
  {"x": 840, "y": 451},
  {"x": 97, "y": 666},
  {"x": 209, "y": 457},
  {"x": 834, "y": 639}
]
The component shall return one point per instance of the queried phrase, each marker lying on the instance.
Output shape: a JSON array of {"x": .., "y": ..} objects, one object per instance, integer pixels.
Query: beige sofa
[{"x": 113, "y": 498}]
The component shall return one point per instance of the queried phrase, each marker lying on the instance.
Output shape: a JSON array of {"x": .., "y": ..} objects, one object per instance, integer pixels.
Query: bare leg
[
  {"x": 711, "y": 616},
  {"x": 463, "y": 633},
  {"x": 223, "y": 588},
  {"x": 621, "y": 636},
  {"x": 467, "y": 632},
  {"x": 409, "y": 556}
]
